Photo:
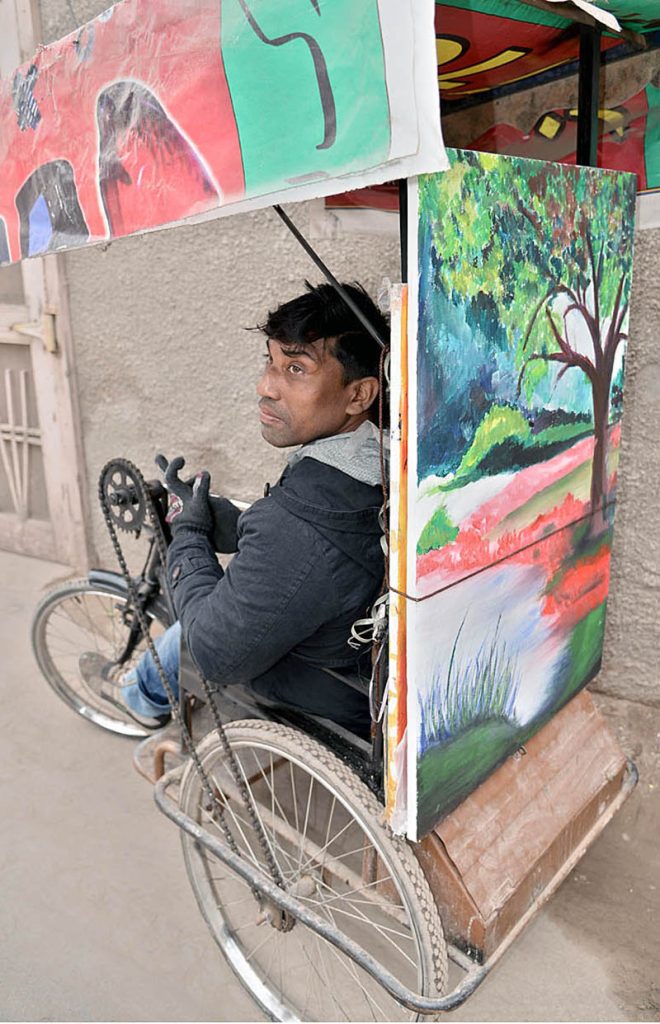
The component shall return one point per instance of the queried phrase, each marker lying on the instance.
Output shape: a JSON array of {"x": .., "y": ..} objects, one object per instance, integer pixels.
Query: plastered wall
[{"x": 163, "y": 360}]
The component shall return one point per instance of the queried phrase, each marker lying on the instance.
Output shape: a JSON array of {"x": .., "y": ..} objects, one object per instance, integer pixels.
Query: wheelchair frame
[{"x": 365, "y": 759}]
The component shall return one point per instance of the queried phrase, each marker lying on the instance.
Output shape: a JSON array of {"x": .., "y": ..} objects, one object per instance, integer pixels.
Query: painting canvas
[
  {"x": 518, "y": 319},
  {"x": 396, "y": 732}
]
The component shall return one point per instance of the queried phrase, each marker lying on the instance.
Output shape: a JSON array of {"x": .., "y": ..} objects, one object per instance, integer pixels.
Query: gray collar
[{"x": 356, "y": 453}]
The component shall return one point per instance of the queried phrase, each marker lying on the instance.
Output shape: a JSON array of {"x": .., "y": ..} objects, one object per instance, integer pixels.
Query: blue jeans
[{"x": 143, "y": 690}]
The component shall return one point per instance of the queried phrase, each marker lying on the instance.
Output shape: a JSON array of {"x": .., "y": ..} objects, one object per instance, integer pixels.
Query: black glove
[
  {"x": 188, "y": 504},
  {"x": 225, "y": 519}
]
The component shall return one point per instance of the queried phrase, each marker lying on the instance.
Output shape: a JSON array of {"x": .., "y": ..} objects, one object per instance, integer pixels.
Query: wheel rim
[
  {"x": 89, "y": 619},
  {"x": 337, "y": 865}
]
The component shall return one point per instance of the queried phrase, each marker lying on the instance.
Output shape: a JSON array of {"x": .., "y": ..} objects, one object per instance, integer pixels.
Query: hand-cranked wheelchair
[{"x": 321, "y": 911}]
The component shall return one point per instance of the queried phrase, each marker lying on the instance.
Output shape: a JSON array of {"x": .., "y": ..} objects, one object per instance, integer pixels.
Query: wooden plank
[{"x": 490, "y": 858}]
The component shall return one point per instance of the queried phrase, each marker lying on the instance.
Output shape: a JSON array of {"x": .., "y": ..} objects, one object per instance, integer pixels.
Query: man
[{"x": 308, "y": 559}]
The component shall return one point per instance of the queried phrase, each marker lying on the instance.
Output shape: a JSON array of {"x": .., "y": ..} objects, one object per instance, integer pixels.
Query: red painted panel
[{"x": 158, "y": 138}]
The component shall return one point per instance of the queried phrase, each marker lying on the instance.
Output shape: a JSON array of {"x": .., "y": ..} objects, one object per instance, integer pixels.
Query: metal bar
[
  {"x": 166, "y": 747},
  {"x": 403, "y": 227},
  {"x": 9, "y": 459},
  {"x": 30, "y": 435},
  {"x": 313, "y": 255},
  {"x": 6, "y": 441},
  {"x": 411, "y": 1000},
  {"x": 260, "y": 882},
  {"x": 25, "y": 468},
  {"x": 588, "y": 96}
]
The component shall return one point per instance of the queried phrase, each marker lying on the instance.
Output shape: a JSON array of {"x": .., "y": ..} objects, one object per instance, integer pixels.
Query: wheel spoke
[
  {"x": 304, "y": 829},
  {"x": 351, "y": 969},
  {"x": 273, "y": 953},
  {"x": 293, "y": 794},
  {"x": 227, "y": 804},
  {"x": 76, "y": 618},
  {"x": 381, "y": 929},
  {"x": 323, "y": 849},
  {"x": 327, "y": 838},
  {"x": 322, "y": 976},
  {"x": 363, "y": 888},
  {"x": 209, "y": 815},
  {"x": 276, "y": 803},
  {"x": 255, "y": 807},
  {"x": 271, "y": 834},
  {"x": 259, "y": 945}
]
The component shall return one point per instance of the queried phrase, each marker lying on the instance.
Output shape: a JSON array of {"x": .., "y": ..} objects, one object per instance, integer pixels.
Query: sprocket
[{"x": 123, "y": 487}]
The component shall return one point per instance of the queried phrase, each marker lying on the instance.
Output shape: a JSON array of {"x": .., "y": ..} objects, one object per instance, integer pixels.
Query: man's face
[{"x": 302, "y": 394}]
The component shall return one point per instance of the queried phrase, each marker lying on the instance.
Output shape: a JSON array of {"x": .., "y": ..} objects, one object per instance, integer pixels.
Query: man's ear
[{"x": 364, "y": 393}]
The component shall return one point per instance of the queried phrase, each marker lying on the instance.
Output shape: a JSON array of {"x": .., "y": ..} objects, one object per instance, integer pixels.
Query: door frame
[{"x": 44, "y": 323}]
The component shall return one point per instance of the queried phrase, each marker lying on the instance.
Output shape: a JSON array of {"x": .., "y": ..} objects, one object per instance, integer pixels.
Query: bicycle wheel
[
  {"x": 84, "y": 616},
  {"x": 326, "y": 831}
]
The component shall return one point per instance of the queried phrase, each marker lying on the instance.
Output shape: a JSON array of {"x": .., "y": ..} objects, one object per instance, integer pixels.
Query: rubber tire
[
  {"x": 103, "y": 715},
  {"x": 362, "y": 804}
]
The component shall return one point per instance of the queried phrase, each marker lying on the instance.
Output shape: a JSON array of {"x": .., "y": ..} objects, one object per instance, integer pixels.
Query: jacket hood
[{"x": 356, "y": 452}]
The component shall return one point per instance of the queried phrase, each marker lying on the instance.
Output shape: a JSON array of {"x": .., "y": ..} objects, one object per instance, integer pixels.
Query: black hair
[{"x": 322, "y": 313}]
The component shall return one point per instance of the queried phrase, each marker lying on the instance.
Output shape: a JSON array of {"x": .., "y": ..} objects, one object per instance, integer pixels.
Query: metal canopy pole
[
  {"x": 330, "y": 277},
  {"x": 588, "y": 96},
  {"x": 403, "y": 227}
]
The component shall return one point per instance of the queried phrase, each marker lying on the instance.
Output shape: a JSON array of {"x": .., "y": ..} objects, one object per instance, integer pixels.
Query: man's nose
[{"x": 267, "y": 385}]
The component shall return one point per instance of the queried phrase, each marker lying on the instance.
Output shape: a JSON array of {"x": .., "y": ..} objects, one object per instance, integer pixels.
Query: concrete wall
[
  {"x": 59, "y": 17},
  {"x": 164, "y": 364},
  {"x": 631, "y": 662}
]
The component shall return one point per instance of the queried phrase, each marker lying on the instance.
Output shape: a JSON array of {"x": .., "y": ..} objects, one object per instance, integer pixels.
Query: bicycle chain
[{"x": 239, "y": 779}]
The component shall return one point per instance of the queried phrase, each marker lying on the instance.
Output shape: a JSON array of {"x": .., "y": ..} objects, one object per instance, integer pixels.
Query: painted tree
[{"x": 547, "y": 250}]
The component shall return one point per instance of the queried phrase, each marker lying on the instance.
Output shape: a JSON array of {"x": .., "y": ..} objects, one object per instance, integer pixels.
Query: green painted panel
[
  {"x": 652, "y": 138},
  {"x": 293, "y": 121},
  {"x": 638, "y": 15}
]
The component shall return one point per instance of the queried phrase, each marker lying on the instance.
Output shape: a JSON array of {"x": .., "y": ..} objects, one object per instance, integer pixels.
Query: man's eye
[{"x": 296, "y": 368}]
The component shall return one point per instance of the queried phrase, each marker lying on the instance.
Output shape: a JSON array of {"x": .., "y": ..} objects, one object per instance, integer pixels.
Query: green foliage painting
[{"x": 523, "y": 297}]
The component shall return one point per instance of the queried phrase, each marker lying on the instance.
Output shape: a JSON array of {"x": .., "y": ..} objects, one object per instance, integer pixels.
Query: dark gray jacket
[{"x": 308, "y": 564}]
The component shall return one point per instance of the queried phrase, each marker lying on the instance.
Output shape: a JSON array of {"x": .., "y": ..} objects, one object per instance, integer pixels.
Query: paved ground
[{"x": 98, "y": 922}]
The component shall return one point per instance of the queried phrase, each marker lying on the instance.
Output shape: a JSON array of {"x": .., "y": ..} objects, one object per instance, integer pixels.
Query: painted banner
[
  {"x": 486, "y": 57},
  {"x": 629, "y": 138},
  {"x": 155, "y": 112},
  {"x": 517, "y": 327},
  {"x": 507, "y": 81}
]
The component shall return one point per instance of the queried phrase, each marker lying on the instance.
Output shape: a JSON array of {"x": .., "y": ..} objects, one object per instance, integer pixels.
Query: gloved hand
[{"x": 188, "y": 504}]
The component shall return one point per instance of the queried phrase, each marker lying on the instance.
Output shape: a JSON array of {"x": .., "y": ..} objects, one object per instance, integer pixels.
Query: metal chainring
[
  {"x": 124, "y": 499},
  {"x": 122, "y": 473}
]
